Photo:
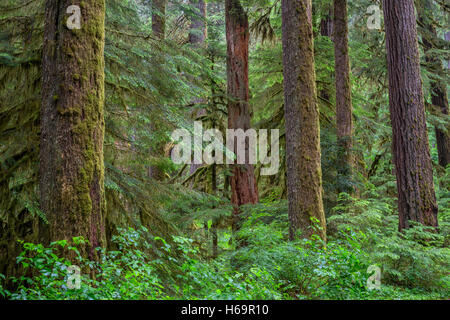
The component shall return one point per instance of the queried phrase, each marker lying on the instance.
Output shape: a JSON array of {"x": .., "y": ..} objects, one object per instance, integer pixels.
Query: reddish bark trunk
[
  {"x": 243, "y": 183},
  {"x": 416, "y": 196}
]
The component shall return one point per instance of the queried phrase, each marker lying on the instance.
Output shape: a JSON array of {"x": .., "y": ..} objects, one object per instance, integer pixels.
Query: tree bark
[
  {"x": 243, "y": 184},
  {"x": 416, "y": 196},
  {"x": 72, "y": 124},
  {"x": 438, "y": 89},
  {"x": 326, "y": 30},
  {"x": 344, "y": 119},
  {"x": 304, "y": 174},
  {"x": 198, "y": 30},
  {"x": 159, "y": 18},
  {"x": 159, "y": 29},
  {"x": 197, "y": 37},
  {"x": 326, "y": 26}
]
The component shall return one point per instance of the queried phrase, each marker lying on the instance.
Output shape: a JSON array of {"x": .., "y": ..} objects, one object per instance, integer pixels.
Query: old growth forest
[{"x": 335, "y": 186}]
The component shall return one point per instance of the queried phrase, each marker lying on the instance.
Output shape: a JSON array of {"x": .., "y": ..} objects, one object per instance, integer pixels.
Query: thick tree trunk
[
  {"x": 438, "y": 89},
  {"x": 72, "y": 124},
  {"x": 243, "y": 184},
  {"x": 343, "y": 92},
  {"x": 304, "y": 175},
  {"x": 416, "y": 196},
  {"x": 159, "y": 18}
]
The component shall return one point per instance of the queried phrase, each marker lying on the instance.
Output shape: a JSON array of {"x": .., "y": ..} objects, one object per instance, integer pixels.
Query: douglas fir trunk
[
  {"x": 438, "y": 87},
  {"x": 243, "y": 183},
  {"x": 197, "y": 32},
  {"x": 159, "y": 29},
  {"x": 304, "y": 175},
  {"x": 72, "y": 125},
  {"x": 416, "y": 197},
  {"x": 343, "y": 91},
  {"x": 159, "y": 18}
]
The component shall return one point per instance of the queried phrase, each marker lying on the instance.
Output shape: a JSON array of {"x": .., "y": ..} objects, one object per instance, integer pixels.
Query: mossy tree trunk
[
  {"x": 243, "y": 184},
  {"x": 344, "y": 119},
  {"x": 304, "y": 174},
  {"x": 416, "y": 196},
  {"x": 72, "y": 124},
  {"x": 438, "y": 87}
]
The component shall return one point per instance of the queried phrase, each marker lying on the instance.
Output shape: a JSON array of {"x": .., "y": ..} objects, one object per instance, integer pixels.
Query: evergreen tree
[
  {"x": 243, "y": 184},
  {"x": 304, "y": 176},
  {"x": 416, "y": 196},
  {"x": 72, "y": 124},
  {"x": 159, "y": 18},
  {"x": 438, "y": 87},
  {"x": 344, "y": 116}
]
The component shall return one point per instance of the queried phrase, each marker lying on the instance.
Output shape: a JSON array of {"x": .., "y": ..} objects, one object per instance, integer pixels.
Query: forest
[{"x": 224, "y": 150}]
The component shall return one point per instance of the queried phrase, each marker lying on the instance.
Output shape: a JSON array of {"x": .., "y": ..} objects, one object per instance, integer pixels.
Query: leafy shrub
[
  {"x": 414, "y": 263},
  {"x": 414, "y": 258},
  {"x": 305, "y": 268},
  {"x": 123, "y": 274}
]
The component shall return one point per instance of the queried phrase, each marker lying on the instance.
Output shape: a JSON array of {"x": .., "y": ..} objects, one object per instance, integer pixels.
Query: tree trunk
[
  {"x": 72, "y": 124},
  {"x": 159, "y": 29},
  {"x": 438, "y": 89},
  {"x": 304, "y": 175},
  {"x": 159, "y": 18},
  {"x": 343, "y": 93},
  {"x": 416, "y": 197},
  {"x": 215, "y": 220},
  {"x": 198, "y": 31},
  {"x": 326, "y": 30},
  {"x": 326, "y": 26},
  {"x": 243, "y": 184},
  {"x": 447, "y": 38},
  {"x": 197, "y": 37}
]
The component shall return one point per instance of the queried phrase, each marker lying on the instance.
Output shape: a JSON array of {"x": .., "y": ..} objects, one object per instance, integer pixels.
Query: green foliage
[
  {"x": 268, "y": 266},
  {"x": 153, "y": 86},
  {"x": 414, "y": 258},
  {"x": 305, "y": 268},
  {"x": 123, "y": 274}
]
